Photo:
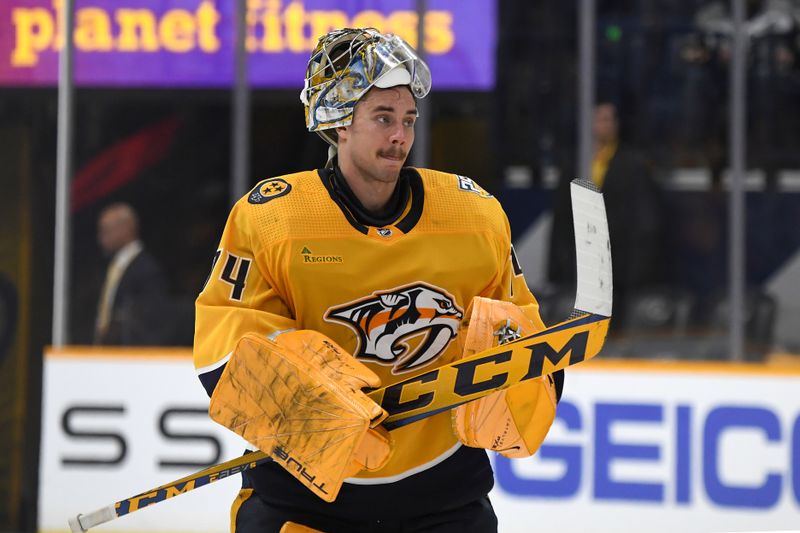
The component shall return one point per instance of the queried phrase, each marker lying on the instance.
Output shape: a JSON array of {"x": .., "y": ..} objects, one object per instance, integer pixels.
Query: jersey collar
[{"x": 397, "y": 214}]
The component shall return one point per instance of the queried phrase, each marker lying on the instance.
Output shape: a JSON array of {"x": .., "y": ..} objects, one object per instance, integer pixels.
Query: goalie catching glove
[
  {"x": 512, "y": 421},
  {"x": 298, "y": 398}
]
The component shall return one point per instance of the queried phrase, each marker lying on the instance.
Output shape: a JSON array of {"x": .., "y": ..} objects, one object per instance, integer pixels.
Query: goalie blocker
[{"x": 299, "y": 398}]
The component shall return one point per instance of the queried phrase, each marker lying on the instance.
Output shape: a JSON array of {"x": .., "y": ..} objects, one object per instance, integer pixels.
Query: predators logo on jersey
[{"x": 406, "y": 327}]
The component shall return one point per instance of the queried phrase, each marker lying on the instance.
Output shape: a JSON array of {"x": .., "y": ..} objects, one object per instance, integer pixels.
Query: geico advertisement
[
  {"x": 118, "y": 425},
  {"x": 662, "y": 447}
]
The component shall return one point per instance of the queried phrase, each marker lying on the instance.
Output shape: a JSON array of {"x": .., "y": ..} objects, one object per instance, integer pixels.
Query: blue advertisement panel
[{"x": 190, "y": 43}]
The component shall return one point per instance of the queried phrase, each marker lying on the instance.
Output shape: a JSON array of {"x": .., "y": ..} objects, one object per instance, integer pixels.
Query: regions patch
[
  {"x": 269, "y": 189},
  {"x": 311, "y": 257}
]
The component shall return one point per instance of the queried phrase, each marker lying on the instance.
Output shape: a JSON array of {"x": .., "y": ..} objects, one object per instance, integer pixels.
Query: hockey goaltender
[{"x": 353, "y": 276}]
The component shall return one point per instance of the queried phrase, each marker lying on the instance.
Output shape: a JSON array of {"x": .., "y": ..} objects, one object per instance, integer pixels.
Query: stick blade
[{"x": 592, "y": 249}]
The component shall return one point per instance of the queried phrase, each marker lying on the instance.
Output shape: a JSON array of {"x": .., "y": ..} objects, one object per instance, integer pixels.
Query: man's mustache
[{"x": 400, "y": 154}]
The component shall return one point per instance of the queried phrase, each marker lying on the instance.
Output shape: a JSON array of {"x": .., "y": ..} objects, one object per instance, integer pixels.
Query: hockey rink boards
[{"x": 662, "y": 446}]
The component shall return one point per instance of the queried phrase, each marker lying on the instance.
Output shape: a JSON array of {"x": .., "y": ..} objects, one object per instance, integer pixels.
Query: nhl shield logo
[{"x": 405, "y": 327}]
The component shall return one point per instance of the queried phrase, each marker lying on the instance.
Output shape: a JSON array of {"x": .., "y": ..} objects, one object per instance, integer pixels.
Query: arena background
[{"x": 688, "y": 421}]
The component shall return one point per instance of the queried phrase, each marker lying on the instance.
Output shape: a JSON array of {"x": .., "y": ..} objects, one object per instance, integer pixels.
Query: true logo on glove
[{"x": 292, "y": 464}]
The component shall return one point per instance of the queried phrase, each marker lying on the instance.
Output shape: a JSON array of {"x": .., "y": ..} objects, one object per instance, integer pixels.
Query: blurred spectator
[
  {"x": 132, "y": 309},
  {"x": 772, "y": 30},
  {"x": 633, "y": 208}
]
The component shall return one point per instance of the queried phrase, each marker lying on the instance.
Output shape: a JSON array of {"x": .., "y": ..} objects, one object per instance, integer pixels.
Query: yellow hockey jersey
[{"x": 294, "y": 254}]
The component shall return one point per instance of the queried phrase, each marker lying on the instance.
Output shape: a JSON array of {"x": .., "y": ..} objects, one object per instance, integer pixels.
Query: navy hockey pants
[{"x": 250, "y": 514}]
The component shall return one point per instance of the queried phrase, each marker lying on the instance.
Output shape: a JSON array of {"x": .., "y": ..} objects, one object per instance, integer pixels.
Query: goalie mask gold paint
[
  {"x": 346, "y": 64},
  {"x": 406, "y": 327}
]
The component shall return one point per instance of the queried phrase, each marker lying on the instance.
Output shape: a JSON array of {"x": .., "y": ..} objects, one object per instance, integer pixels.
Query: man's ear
[{"x": 341, "y": 132}]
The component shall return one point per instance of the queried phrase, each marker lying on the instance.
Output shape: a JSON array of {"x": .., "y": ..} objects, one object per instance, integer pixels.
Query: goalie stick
[{"x": 577, "y": 339}]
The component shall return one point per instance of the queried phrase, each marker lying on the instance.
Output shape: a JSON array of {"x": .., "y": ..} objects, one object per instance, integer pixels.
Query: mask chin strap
[
  {"x": 331, "y": 156},
  {"x": 332, "y": 150}
]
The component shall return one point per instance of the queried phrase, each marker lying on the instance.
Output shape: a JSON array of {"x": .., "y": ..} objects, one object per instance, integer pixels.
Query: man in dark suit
[
  {"x": 132, "y": 302},
  {"x": 633, "y": 207}
]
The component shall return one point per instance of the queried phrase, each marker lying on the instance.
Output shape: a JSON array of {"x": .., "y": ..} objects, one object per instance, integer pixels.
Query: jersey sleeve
[
  {"x": 238, "y": 297},
  {"x": 512, "y": 286}
]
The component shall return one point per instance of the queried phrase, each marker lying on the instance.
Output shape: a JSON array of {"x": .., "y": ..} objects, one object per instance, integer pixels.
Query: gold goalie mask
[{"x": 346, "y": 64}]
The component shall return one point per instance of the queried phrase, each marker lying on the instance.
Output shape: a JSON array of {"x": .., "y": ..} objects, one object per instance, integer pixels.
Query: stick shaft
[
  {"x": 450, "y": 385},
  {"x": 83, "y": 522}
]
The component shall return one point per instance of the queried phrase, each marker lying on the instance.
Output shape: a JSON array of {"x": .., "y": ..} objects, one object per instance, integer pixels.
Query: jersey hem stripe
[
  {"x": 214, "y": 366},
  {"x": 407, "y": 473}
]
